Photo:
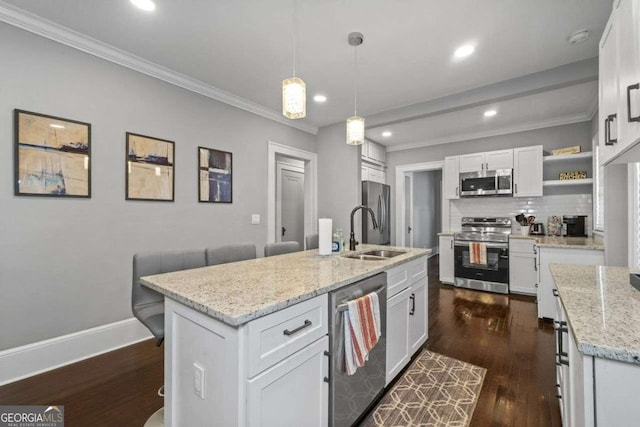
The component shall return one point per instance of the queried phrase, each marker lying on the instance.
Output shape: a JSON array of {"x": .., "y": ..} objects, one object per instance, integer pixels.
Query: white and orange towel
[
  {"x": 478, "y": 253},
  {"x": 361, "y": 330}
]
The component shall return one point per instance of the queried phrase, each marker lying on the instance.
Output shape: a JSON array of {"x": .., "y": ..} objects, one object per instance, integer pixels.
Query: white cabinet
[
  {"x": 364, "y": 173},
  {"x": 373, "y": 173},
  {"x": 418, "y": 315},
  {"x": 527, "y": 171},
  {"x": 619, "y": 82},
  {"x": 451, "y": 178},
  {"x": 523, "y": 266},
  {"x": 293, "y": 392},
  {"x": 492, "y": 160},
  {"x": 445, "y": 248},
  {"x": 546, "y": 286},
  {"x": 397, "y": 333},
  {"x": 373, "y": 152}
]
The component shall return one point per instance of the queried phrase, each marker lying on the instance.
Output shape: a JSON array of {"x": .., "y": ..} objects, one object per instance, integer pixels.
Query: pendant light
[
  {"x": 294, "y": 90},
  {"x": 355, "y": 123}
]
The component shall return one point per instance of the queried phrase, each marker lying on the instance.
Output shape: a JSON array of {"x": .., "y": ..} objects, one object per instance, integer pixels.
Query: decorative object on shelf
[
  {"x": 294, "y": 90},
  {"x": 52, "y": 156},
  {"x": 150, "y": 168},
  {"x": 554, "y": 226},
  {"x": 568, "y": 150},
  {"x": 573, "y": 175},
  {"x": 355, "y": 123},
  {"x": 215, "y": 176}
]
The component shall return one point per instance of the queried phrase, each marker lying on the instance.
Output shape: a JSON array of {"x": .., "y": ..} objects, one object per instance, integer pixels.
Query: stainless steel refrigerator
[{"x": 377, "y": 197}]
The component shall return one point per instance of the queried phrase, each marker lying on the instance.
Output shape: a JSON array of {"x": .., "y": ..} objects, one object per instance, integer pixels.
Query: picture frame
[
  {"x": 215, "y": 176},
  {"x": 149, "y": 168},
  {"x": 52, "y": 156}
]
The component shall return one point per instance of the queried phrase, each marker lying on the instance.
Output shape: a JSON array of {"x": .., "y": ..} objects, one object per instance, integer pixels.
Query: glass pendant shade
[
  {"x": 294, "y": 98},
  {"x": 355, "y": 130}
]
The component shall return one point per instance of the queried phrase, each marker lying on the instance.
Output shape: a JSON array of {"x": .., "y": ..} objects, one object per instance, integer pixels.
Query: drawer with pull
[
  {"x": 276, "y": 336},
  {"x": 402, "y": 276}
]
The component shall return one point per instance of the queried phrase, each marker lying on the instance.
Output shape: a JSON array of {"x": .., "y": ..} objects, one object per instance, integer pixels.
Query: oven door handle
[{"x": 490, "y": 245}]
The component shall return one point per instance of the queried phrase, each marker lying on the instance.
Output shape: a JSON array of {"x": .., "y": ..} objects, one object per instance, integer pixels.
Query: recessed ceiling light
[
  {"x": 464, "y": 51},
  {"x": 578, "y": 37},
  {"x": 387, "y": 133},
  {"x": 490, "y": 113},
  {"x": 56, "y": 126},
  {"x": 147, "y": 5},
  {"x": 320, "y": 98}
]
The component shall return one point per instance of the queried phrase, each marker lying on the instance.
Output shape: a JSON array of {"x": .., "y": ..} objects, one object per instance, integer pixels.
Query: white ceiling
[{"x": 244, "y": 47}]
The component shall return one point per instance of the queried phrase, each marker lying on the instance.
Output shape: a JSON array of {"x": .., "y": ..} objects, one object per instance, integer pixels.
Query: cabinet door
[
  {"x": 527, "y": 171},
  {"x": 523, "y": 274},
  {"x": 472, "y": 162},
  {"x": 293, "y": 392},
  {"x": 616, "y": 393},
  {"x": 364, "y": 173},
  {"x": 451, "y": 179},
  {"x": 397, "y": 334},
  {"x": 364, "y": 153},
  {"x": 608, "y": 87},
  {"x": 629, "y": 70},
  {"x": 445, "y": 248},
  {"x": 502, "y": 159},
  {"x": 418, "y": 315}
]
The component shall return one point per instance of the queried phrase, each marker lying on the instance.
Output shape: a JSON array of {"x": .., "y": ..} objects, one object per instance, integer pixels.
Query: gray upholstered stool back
[
  {"x": 230, "y": 253},
  {"x": 279, "y": 248},
  {"x": 148, "y": 305},
  {"x": 311, "y": 241}
]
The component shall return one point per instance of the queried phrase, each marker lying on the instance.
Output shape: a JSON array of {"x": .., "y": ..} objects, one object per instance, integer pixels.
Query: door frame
[
  {"x": 410, "y": 176},
  {"x": 310, "y": 187},
  {"x": 401, "y": 170},
  {"x": 281, "y": 166}
]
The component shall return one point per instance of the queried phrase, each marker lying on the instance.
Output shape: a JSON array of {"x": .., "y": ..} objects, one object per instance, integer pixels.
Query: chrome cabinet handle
[
  {"x": 629, "y": 116},
  {"x": 535, "y": 265},
  {"x": 307, "y": 323}
]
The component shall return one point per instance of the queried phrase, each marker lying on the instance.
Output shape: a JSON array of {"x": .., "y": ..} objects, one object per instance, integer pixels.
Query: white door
[
  {"x": 502, "y": 159},
  {"x": 523, "y": 273},
  {"x": 290, "y": 204},
  {"x": 527, "y": 172},
  {"x": 472, "y": 163},
  {"x": 629, "y": 69},
  {"x": 446, "y": 259},
  {"x": 408, "y": 210},
  {"x": 451, "y": 178},
  {"x": 397, "y": 333},
  {"x": 293, "y": 392},
  {"x": 418, "y": 315},
  {"x": 608, "y": 82}
]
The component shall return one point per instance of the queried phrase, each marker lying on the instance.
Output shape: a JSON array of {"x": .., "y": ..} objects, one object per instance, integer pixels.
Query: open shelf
[
  {"x": 567, "y": 182},
  {"x": 568, "y": 157}
]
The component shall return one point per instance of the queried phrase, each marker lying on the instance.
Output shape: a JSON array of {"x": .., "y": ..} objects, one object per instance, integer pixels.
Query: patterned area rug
[{"x": 434, "y": 391}]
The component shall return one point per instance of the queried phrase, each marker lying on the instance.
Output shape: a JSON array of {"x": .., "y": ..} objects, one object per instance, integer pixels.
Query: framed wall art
[
  {"x": 52, "y": 156},
  {"x": 149, "y": 168},
  {"x": 215, "y": 176}
]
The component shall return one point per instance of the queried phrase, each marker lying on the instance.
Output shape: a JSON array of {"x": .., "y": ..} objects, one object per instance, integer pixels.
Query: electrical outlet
[
  {"x": 198, "y": 380},
  {"x": 255, "y": 219}
]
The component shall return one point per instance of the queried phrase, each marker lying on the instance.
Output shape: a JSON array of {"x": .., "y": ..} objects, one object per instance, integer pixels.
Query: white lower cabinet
[
  {"x": 523, "y": 266},
  {"x": 418, "y": 315},
  {"x": 446, "y": 251},
  {"x": 397, "y": 333},
  {"x": 293, "y": 392}
]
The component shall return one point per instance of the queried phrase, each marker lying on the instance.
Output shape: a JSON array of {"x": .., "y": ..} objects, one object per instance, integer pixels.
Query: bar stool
[
  {"x": 230, "y": 253},
  {"x": 279, "y": 248}
]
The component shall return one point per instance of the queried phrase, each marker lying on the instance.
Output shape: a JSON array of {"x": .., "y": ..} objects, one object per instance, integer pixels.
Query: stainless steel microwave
[{"x": 487, "y": 183}]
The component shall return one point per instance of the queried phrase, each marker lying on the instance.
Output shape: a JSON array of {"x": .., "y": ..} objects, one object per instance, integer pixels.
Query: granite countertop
[
  {"x": 238, "y": 292},
  {"x": 603, "y": 309},
  {"x": 590, "y": 243},
  {"x": 447, "y": 233}
]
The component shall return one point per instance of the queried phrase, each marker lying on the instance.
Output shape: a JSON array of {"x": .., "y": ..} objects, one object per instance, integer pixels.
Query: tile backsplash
[{"x": 540, "y": 207}]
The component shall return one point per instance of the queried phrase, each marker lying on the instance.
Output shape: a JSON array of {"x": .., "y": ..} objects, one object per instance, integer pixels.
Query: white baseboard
[{"x": 32, "y": 359}]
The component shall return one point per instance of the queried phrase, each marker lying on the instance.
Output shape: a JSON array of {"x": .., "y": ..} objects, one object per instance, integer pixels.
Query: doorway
[{"x": 290, "y": 200}]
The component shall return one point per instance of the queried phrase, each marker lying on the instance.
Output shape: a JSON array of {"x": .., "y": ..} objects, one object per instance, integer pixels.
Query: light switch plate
[
  {"x": 198, "y": 380},
  {"x": 255, "y": 219}
]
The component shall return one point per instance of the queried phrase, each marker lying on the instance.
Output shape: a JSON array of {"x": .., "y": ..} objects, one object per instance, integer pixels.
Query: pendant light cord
[
  {"x": 355, "y": 81},
  {"x": 294, "y": 38}
]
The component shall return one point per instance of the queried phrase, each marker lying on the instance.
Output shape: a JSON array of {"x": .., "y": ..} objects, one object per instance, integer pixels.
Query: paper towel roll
[{"x": 325, "y": 230}]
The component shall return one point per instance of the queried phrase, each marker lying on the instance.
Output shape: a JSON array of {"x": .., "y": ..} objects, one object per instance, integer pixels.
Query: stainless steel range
[{"x": 492, "y": 275}]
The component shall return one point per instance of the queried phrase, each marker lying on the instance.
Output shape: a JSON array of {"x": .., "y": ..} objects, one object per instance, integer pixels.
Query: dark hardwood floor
[{"x": 500, "y": 333}]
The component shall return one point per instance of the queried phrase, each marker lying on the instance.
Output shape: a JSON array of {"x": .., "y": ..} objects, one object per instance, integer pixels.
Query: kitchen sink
[{"x": 376, "y": 255}]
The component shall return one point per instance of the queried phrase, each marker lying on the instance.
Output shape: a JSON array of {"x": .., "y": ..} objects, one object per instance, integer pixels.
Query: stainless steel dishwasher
[{"x": 350, "y": 396}]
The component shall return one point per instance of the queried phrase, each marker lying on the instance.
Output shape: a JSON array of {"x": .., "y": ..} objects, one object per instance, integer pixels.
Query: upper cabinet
[
  {"x": 372, "y": 152},
  {"x": 619, "y": 84},
  {"x": 527, "y": 171},
  {"x": 373, "y": 162},
  {"x": 451, "y": 179},
  {"x": 491, "y": 160}
]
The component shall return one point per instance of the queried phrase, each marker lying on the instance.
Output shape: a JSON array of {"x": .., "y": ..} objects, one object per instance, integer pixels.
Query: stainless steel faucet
[{"x": 352, "y": 236}]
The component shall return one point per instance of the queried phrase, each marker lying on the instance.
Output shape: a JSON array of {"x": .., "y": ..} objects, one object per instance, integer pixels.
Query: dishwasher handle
[{"x": 345, "y": 305}]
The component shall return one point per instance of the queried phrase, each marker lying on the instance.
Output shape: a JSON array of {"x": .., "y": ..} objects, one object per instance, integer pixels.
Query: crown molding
[
  {"x": 37, "y": 25},
  {"x": 565, "y": 120}
]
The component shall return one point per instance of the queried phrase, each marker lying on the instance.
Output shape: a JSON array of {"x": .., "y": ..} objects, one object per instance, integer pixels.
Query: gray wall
[
  {"x": 65, "y": 264},
  {"x": 427, "y": 208},
  {"x": 339, "y": 188}
]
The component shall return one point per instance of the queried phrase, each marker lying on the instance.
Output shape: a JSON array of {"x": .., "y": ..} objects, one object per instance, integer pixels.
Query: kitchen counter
[
  {"x": 447, "y": 233},
  {"x": 603, "y": 309},
  {"x": 591, "y": 243},
  {"x": 238, "y": 292}
]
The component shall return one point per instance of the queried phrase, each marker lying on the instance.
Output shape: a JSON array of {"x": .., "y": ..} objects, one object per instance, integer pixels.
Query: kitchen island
[
  {"x": 227, "y": 361},
  {"x": 598, "y": 345}
]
